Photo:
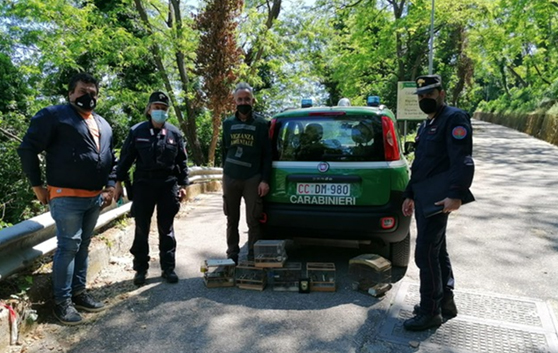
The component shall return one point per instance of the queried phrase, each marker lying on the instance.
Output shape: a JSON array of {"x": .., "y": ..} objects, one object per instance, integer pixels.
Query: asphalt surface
[{"x": 503, "y": 245}]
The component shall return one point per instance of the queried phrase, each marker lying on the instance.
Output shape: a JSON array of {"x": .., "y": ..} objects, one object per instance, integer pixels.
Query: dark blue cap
[
  {"x": 427, "y": 83},
  {"x": 159, "y": 97}
]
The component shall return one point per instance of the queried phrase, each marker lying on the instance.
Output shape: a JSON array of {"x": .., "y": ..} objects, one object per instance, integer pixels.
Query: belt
[{"x": 155, "y": 174}]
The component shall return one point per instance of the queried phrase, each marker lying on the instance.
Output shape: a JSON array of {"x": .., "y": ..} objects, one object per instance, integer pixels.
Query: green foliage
[
  {"x": 515, "y": 58},
  {"x": 494, "y": 55}
]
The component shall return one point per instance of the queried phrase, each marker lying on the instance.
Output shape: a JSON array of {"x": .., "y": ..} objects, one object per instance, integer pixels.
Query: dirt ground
[{"x": 112, "y": 286}]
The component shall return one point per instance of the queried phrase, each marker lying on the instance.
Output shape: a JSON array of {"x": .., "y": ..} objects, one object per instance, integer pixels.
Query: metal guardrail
[{"x": 25, "y": 242}]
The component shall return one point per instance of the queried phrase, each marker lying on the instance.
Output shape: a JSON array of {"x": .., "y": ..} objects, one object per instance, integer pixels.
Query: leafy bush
[{"x": 17, "y": 201}]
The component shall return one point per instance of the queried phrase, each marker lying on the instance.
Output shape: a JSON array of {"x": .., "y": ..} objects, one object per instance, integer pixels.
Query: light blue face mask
[{"x": 159, "y": 116}]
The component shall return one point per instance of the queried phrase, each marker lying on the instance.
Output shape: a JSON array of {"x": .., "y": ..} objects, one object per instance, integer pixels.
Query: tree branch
[
  {"x": 157, "y": 56},
  {"x": 541, "y": 76},
  {"x": 353, "y": 4},
  {"x": 516, "y": 75},
  {"x": 272, "y": 15},
  {"x": 10, "y": 135}
]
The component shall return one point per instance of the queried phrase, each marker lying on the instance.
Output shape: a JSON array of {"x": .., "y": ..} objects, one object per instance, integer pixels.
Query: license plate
[{"x": 323, "y": 189}]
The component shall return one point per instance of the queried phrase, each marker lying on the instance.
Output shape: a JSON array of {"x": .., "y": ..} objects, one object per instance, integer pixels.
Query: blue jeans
[{"x": 75, "y": 219}]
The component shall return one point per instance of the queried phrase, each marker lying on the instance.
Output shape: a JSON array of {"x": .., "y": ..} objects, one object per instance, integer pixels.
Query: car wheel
[{"x": 401, "y": 251}]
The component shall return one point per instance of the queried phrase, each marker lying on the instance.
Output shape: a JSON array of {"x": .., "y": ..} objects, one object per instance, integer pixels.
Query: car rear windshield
[{"x": 328, "y": 138}]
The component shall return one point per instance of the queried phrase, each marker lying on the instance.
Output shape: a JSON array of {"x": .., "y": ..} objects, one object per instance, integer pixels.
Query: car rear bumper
[{"x": 286, "y": 221}]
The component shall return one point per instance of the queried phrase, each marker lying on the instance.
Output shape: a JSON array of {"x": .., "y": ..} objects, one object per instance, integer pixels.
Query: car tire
[{"x": 400, "y": 252}]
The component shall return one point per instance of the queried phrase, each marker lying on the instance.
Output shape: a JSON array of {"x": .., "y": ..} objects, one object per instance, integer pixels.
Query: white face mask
[{"x": 159, "y": 116}]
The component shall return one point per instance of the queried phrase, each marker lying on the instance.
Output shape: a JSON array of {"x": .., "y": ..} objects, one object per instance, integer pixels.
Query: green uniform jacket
[{"x": 246, "y": 147}]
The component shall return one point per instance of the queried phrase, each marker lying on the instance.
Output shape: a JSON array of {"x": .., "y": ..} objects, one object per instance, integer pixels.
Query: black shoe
[
  {"x": 139, "y": 278},
  {"x": 66, "y": 313},
  {"x": 170, "y": 276},
  {"x": 422, "y": 322},
  {"x": 85, "y": 301},
  {"x": 234, "y": 258},
  {"x": 449, "y": 309}
]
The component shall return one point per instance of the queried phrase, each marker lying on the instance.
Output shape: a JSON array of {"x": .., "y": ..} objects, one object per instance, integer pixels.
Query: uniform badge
[
  {"x": 459, "y": 133},
  {"x": 171, "y": 141},
  {"x": 238, "y": 153}
]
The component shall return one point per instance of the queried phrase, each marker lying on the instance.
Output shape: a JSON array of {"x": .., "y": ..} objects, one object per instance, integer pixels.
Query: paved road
[{"x": 504, "y": 250}]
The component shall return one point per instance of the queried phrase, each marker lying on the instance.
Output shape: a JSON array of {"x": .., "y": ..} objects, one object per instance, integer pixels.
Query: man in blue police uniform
[
  {"x": 444, "y": 146},
  {"x": 158, "y": 149}
]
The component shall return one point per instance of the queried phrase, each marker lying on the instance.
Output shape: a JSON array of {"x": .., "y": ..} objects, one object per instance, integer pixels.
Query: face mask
[
  {"x": 428, "y": 105},
  {"x": 159, "y": 116},
  {"x": 244, "y": 109},
  {"x": 86, "y": 102}
]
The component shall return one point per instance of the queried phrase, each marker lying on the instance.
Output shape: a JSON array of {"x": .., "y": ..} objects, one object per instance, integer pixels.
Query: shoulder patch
[{"x": 459, "y": 132}]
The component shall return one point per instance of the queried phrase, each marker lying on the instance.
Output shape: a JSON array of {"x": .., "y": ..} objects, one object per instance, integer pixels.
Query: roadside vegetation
[{"x": 494, "y": 55}]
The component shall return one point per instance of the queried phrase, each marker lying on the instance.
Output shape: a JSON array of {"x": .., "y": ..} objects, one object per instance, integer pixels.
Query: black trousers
[
  {"x": 432, "y": 259},
  {"x": 233, "y": 191},
  {"x": 147, "y": 195}
]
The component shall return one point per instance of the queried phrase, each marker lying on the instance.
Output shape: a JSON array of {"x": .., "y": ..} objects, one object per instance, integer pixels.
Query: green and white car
[{"x": 339, "y": 174}]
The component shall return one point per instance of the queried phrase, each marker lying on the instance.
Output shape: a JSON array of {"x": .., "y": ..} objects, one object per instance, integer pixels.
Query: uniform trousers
[
  {"x": 149, "y": 193},
  {"x": 233, "y": 191},
  {"x": 432, "y": 259}
]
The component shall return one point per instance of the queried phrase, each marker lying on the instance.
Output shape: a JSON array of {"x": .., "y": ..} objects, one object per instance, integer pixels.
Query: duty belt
[{"x": 154, "y": 174}]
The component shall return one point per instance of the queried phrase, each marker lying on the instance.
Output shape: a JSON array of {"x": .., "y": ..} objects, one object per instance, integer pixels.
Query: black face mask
[
  {"x": 428, "y": 105},
  {"x": 244, "y": 109},
  {"x": 86, "y": 102}
]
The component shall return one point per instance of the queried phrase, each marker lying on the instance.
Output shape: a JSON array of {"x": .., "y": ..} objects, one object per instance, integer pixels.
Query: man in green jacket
[{"x": 246, "y": 151}]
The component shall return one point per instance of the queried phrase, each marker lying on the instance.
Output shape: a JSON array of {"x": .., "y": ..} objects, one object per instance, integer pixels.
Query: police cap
[
  {"x": 427, "y": 83},
  {"x": 159, "y": 97}
]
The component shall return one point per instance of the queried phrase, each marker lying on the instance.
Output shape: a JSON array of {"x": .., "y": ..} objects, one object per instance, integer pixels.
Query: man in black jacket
[
  {"x": 157, "y": 148},
  {"x": 444, "y": 147},
  {"x": 246, "y": 149},
  {"x": 80, "y": 180}
]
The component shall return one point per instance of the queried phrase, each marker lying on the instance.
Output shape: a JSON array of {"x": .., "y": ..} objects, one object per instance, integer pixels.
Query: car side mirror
[{"x": 409, "y": 147}]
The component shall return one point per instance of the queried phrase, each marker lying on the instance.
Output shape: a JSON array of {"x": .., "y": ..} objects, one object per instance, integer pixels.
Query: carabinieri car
[{"x": 338, "y": 174}]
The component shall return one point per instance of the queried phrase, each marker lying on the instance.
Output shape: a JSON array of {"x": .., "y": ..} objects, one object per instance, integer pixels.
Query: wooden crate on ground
[
  {"x": 286, "y": 278},
  {"x": 248, "y": 276},
  {"x": 322, "y": 276},
  {"x": 218, "y": 273},
  {"x": 270, "y": 253}
]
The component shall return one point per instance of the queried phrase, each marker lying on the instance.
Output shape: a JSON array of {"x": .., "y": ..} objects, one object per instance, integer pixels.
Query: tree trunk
[
  {"x": 214, "y": 138},
  {"x": 502, "y": 66},
  {"x": 188, "y": 128},
  {"x": 397, "y": 13},
  {"x": 465, "y": 67}
]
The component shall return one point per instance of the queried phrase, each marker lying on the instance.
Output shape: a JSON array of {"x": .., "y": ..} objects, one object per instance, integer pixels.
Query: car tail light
[
  {"x": 272, "y": 128},
  {"x": 263, "y": 219},
  {"x": 391, "y": 148},
  {"x": 387, "y": 222}
]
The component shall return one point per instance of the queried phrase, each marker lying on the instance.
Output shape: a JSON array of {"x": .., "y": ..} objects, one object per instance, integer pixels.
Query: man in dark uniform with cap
[
  {"x": 443, "y": 164},
  {"x": 158, "y": 149}
]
